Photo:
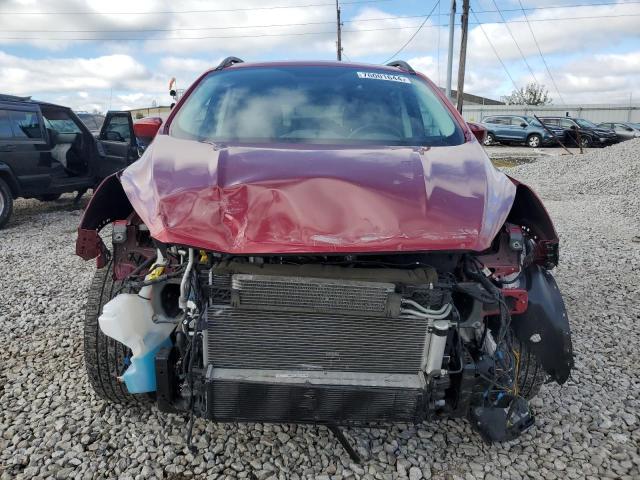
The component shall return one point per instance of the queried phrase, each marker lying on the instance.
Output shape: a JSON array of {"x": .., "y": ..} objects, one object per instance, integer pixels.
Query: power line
[
  {"x": 285, "y": 25},
  {"x": 354, "y": 2},
  {"x": 515, "y": 41},
  {"x": 495, "y": 51},
  {"x": 305, "y": 33},
  {"x": 574, "y": 5},
  {"x": 414, "y": 33},
  {"x": 562, "y": 19},
  {"x": 541, "y": 55},
  {"x": 163, "y": 12}
]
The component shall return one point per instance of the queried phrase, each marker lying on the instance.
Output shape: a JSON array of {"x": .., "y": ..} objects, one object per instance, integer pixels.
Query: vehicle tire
[
  {"x": 105, "y": 357},
  {"x": 531, "y": 375},
  {"x": 585, "y": 142},
  {"x": 534, "y": 140},
  {"x": 6, "y": 203},
  {"x": 49, "y": 197},
  {"x": 490, "y": 139}
]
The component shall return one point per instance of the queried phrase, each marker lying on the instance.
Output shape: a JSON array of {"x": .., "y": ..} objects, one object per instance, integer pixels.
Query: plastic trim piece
[
  {"x": 228, "y": 62},
  {"x": 108, "y": 203},
  {"x": 402, "y": 65},
  {"x": 544, "y": 326}
]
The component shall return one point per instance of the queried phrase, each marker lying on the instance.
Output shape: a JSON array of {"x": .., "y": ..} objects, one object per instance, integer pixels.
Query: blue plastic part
[{"x": 140, "y": 377}]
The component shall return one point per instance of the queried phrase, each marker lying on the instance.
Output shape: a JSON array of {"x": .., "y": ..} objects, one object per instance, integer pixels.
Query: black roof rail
[
  {"x": 229, "y": 61},
  {"x": 13, "y": 98},
  {"x": 402, "y": 65}
]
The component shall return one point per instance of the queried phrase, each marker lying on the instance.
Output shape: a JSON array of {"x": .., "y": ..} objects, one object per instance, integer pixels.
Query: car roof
[
  {"x": 312, "y": 63},
  {"x": 28, "y": 100}
]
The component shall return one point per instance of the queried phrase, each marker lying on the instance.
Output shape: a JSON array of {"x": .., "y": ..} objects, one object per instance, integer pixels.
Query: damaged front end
[{"x": 336, "y": 339}]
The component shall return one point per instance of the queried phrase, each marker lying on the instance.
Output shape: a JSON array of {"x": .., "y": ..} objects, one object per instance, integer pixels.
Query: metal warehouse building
[{"x": 595, "y": 113}]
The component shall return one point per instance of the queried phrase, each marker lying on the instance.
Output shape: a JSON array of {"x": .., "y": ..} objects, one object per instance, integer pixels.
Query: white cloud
[
  {"x": 191, "y": 65},
  {"x": 370, "y": 36},
  {"x": 24, "y": 76},
  {"x": 131, "y": 97},
  {"x": 425, "y": 65},
  {"x": 245, "y": 33},
  {"x": 603, "y": 78},
  {"x": 605, "y": 26}
]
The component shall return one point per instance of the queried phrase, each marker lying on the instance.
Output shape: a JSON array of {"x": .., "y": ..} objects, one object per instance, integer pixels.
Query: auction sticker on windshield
[{"x": 384, "y": 76}]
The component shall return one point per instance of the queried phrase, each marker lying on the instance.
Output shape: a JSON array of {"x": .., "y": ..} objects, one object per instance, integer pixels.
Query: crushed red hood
[{"x": 280, "y": 199}]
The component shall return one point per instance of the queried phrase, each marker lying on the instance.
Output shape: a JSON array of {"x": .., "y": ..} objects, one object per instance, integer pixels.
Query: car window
[
  {"x": 489, "y": 120},
  {"x": 567, "y": 123},
  {"x": 60, "y": 121},
  {"x": 25, "y": 125},
  {"x": 93, "y": 122},
  {"x": 118, "y": 129},
  {"x": 585, "y": 123},
  {"x": 517, "y": 121},
  {"x": 310, "y": 104},
  {"x": 5, "y": 125},
  {"x": 502, "y": 121},
  {"x": 551, "y": 121}
]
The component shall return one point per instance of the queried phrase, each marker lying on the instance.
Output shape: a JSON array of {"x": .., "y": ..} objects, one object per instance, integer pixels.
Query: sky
[{"x": 119, "y": 54}]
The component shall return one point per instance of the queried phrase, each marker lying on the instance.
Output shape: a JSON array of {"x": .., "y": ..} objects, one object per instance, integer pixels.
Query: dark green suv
[{"x": 46, "y": 150}]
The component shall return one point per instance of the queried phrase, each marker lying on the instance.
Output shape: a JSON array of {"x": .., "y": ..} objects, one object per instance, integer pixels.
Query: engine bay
[{"x": 340, "y": 339}]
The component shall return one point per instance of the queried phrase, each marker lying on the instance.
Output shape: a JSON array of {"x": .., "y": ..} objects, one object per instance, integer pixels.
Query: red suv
[{"x": 325, "y": 243}]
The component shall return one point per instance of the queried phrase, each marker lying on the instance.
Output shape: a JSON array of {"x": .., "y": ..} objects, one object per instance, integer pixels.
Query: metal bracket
[{"x": 345, "y": 443}]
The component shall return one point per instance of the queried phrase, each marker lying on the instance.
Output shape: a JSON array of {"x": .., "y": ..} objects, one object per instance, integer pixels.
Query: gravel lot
[{"x": 51, "y": 424}]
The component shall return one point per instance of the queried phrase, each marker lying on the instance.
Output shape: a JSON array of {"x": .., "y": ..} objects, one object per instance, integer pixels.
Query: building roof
[{"x": 475, "y": 99}]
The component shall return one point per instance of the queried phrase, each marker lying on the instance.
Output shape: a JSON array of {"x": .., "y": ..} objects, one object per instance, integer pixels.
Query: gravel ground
[{"x": 52, "y": 425}]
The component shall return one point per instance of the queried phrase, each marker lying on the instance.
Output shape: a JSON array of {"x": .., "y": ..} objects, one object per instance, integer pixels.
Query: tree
[{"x": 532, "y": 94}]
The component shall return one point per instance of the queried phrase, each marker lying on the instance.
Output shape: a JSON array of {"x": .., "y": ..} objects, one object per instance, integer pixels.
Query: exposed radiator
[
  {"x": 286, "y": 348},
  {"x": 301, "y": 294},
  {"x": 318, "y": 341},
  {"x": 248, "y": 401}
]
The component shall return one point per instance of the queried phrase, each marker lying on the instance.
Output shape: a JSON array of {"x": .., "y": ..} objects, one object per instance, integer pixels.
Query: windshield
[
  {"x": 533, "y": 121},
  {"x": 585, "y": 123},
  {"x": 315, "y": 105},
  {"x": 94, "y": 122}
]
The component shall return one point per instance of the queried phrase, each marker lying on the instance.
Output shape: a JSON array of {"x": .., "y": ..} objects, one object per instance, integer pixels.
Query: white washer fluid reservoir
[{"x": 127, "y": 318}]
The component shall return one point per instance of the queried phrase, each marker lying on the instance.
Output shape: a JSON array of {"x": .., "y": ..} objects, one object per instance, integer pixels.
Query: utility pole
[
  {"x": 463, "y": 53},
  {"x": 339, "y": 42},
  {"x": 452, "y": 21}
]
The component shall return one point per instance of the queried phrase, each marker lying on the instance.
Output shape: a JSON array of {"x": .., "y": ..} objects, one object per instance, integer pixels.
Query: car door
[
  {"x": 500, "y": 128},
  {"x": 24, "y": 148},
  {"x": 517, "y": 131},
  {"x": 116, "y": 143},
  {"x": 624, "y": 132},
  {"x": 571, "y": 129}
]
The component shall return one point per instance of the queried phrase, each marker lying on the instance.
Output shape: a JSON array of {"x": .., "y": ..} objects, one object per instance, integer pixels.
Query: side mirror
[
  {"x": 478, "y": 131},
  {"x": 524, "y": 125},
  {"x": 573, "y": 127}
]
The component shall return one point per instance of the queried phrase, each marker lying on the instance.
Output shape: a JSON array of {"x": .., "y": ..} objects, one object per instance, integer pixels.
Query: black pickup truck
[{"x": 46, "y": 150}]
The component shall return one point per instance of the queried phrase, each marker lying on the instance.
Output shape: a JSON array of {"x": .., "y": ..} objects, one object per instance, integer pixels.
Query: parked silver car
[{"x": 624, "y": 130}]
